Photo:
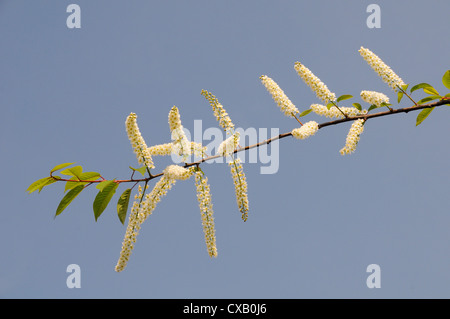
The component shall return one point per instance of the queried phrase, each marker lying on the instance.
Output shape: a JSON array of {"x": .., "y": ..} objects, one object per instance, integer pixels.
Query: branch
[{"x": 443, "y": 101}]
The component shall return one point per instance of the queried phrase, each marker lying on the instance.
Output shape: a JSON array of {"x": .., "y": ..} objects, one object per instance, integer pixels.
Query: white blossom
[
  {"x": 306, "y": 130},
  {"x": 353, "y": 136},
  {"x": 228, "y": 146},
  {"x": 373, "y": 97},
  {"x": 219, "y": 112},
  {"x": 206, "y": 211},
  {"x": 333, "y": 112},
  {"x": 137, "y": 141},
  {"x": 384, "y": 71},
  {"x": 286, "y": 106},
  {"x": 321, "y": 90}
]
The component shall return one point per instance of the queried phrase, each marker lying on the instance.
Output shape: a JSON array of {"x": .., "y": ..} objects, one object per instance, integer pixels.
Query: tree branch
[{"x": 443, "y": 101}]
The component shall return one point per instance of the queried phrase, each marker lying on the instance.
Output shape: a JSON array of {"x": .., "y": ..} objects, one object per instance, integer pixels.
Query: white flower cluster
[
  {"x": 137, "y": 141},
  {"x": 178, "y": 172},
  {"x": 161, "y": 149},
  {"x": 219, "y": 112},
  {"x": 240, "y": 186},
  {"x": 166, "y": 149},
  {"x": 228, "y": 146},
  {"x": 321, "y": 90},
  {"x": 139, "y": 213},
  {"x": 132, "y": 231},
  {"x": 181, "y": 144},
  {"x": 306, "y": 130},
  {"x": 286, "y": 106},
  {"x": 373, "y": 97},
  {"x": 353, "y": 136},
  {"x": 333, "y": 112},
  {"x": 206, "y": 211},
  {"x": 384, "y": 71}
]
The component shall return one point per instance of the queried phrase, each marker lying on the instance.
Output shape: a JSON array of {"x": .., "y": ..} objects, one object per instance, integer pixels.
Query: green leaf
[
  {"x": 70, "y": 196},
  {"x": 103, "y": 198},
  {"x": 40, "y": 183},
  {"x": 86, "y": 176},
  {"x": 306, "y": 112},
  {"x": 423, "y": 115},
  {"x": 405, "y": 87},
  {"x": 141, "y": 170},
  {"x": 357, "y": 106},
  {"x": 420, "y": 86},
  {"x": 122, "y": 205},
  {"x": 431, "y": 90},
  {"x": 104, "y": 184},
  {"x": 75, "y": 171},
  {"x": 57, "y": 167},
  {"x": 428, "y": 98},
  {"x": 329, "y": 105},
  {"x": 399, "y": 96},
  {"x": 372, "y": 107},
  {"x": 446, "y": 79},
  {"x": 344, "y": 97}
]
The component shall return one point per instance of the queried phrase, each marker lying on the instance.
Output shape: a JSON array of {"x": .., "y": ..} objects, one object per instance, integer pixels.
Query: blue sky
[{"x": 313, "y": 227}]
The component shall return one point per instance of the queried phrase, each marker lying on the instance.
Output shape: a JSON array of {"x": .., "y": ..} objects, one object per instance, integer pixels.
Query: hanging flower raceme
[
  {"x": 228, "y": 146},
  {"x": 140, "y": 212},
  {"x": 286, "y": 106},
  {"x": 375, "y": 98},
  {"x": 137, "y": 142},
  {"x": 321, "y": 90},
  {"x": 240, "y": 186},
  {"x": 353, "y": 136},
  {"x": 384, "y": 71},
  {"x": 181, "y": 145},
  {"x": 219, "y": 112},
  {"x": 306, "y": 130},
  {"x": 333, "y": 111},
  {"x": 206, "y": 211},
  {"x": 132, "y": 231}
]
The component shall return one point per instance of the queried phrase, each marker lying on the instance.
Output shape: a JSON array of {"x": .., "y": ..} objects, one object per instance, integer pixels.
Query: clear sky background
[{"x": 313, "y": 227}]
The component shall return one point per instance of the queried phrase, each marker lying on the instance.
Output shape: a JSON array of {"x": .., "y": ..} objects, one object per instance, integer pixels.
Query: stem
[
  {"x": 297, "y": 119},
  {"x": 404, "y": 92},
  {"x": 442, "y": 101},
  {"x": 340, "y": 109}
]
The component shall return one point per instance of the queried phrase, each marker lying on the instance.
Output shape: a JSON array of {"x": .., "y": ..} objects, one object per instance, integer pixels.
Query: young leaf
[
  {"x": 344, "y": 97},
  {"x": 405, "y": 87},
  {"x": 104, "y": 184},
  {"x": 141, "y": 170},
  {"x": 420, "y": 86},
  {"x": 75, "y": 171},
  {"x": 122, "y": 205},
  {"x": 86, "y": 176},
  {"x": 446, "y": 79},
  {"x": 429, "y": 98},
  {"x": 357, "y": 106},
  {"x": 430, "y": 90},
  {"x": 423, "y": 115},
  {"x": 103, "y": 198},
  {"x": 399, "y": 96},
  {"x": 40, "y": 183},
  {"x": 70, "y": 196},
  {"x": 306, "y": 112},
  {"x": 372, "y": 107},
  {"x": 60, "y": 166},
  {"x": 329, "y": 105}
]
